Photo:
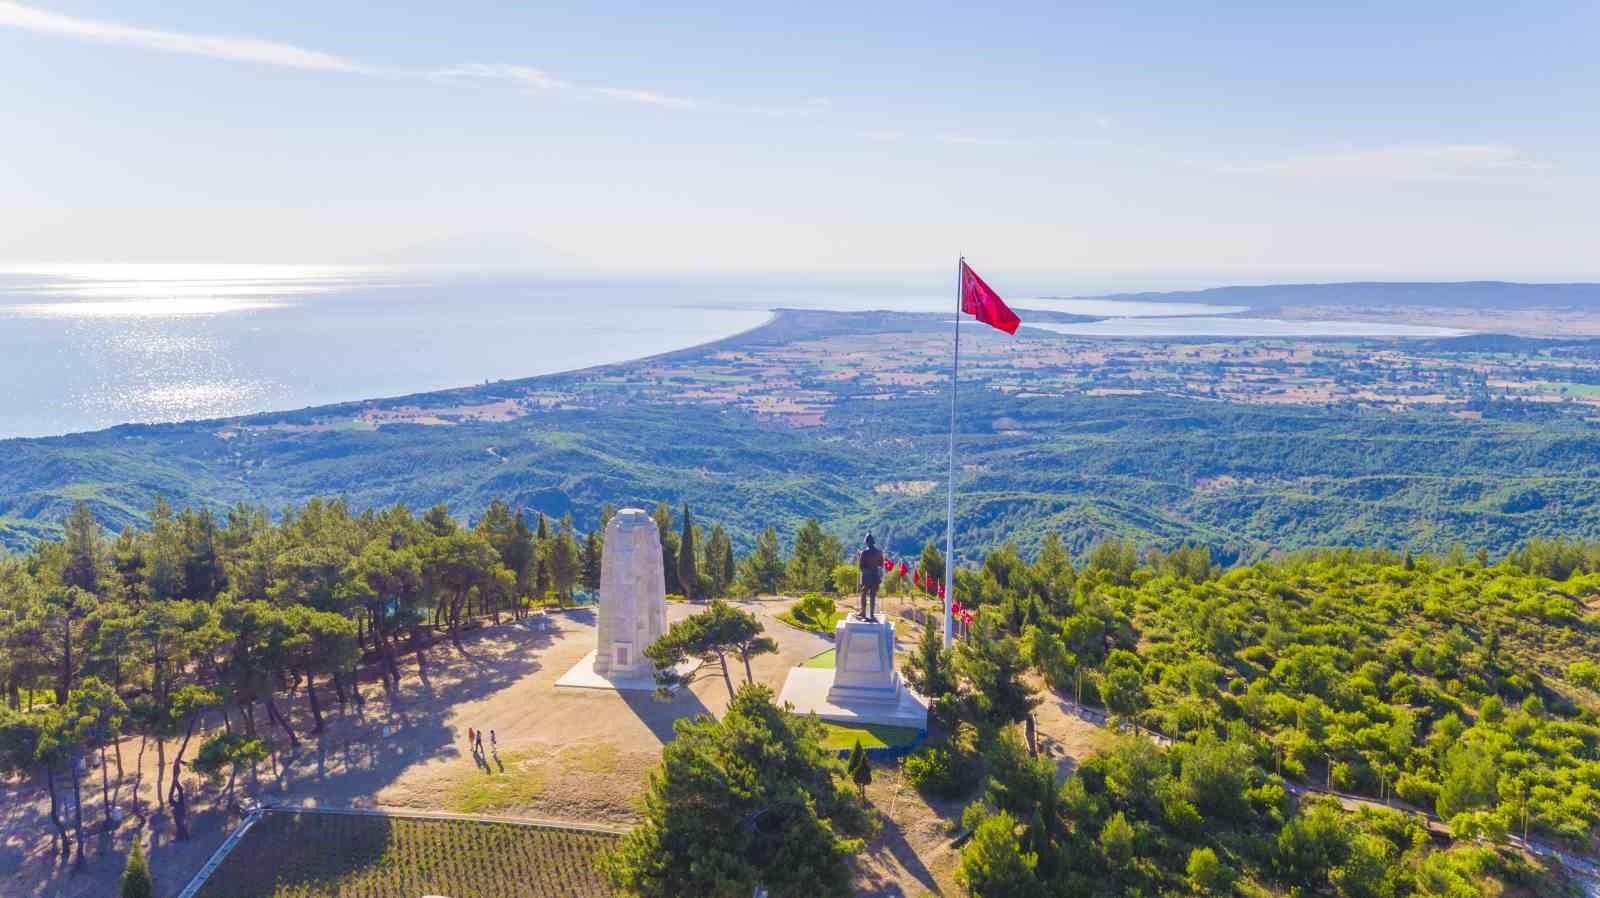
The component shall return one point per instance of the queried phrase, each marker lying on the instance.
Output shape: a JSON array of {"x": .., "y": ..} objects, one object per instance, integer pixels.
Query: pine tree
[
  {"x": 815, "y": 555},
  {"x": 719, "y": 561},
  {"x": 860, "y": 770},
  {"x": 762, "y": 571},
  {"x": 591, "y": 562},
  {"x": 136, "y": 876},
  {"x": 688, "y": 578},
  {"x": 565, "y": 566},
  {"x": 931, "y": 668}
]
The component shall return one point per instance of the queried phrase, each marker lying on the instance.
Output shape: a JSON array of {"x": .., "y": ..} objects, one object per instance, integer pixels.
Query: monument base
[
  {"x": 810, "y": 691},
  {"x": 863, "y": 686},
  {"x": 583, "y": 676}
]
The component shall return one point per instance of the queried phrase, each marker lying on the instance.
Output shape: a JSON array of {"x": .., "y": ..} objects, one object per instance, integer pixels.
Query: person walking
[
  {"x": 871, "y": 564},
  {"x": 469, "y": 738},
  {"x": 492, "y": 742},
  {"x": 480, "y": 742}
]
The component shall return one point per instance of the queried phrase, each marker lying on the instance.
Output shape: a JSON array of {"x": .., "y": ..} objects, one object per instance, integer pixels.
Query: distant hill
[{"x": 1464, "y": 294}]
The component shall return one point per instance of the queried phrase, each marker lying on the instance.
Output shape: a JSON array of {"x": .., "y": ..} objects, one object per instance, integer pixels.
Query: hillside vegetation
[
  {"x": 843, "y": 417},
  {"x": 1448, "y": 688}
]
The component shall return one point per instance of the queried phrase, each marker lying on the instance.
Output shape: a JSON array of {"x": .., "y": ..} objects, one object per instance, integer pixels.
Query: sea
[{"x": 84, "y": 347}]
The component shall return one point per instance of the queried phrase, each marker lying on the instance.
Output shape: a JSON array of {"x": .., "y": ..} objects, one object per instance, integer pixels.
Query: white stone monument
[
  {"x": 632, "y": 611},
  {"x": 863, "y": 686}
]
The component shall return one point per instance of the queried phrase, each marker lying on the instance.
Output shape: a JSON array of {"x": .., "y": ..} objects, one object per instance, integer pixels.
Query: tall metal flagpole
[{"x": 950, "y": 500}]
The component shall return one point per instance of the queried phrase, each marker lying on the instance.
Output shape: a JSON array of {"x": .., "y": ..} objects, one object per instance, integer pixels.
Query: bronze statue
[{"x": 871, "y": 562}]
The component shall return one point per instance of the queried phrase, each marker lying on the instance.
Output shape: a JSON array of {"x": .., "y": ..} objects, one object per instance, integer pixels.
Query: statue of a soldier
[{"x": 871, "y": 563}]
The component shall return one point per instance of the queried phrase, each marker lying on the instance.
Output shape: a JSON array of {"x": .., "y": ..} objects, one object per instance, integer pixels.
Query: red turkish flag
[
  {"x": 982, "y": 303},
  {"x": 955, "y": 607},
  {"x": 919, "y": 578},
  {"x": 903, "y": 568},
  {"x": 941, "y": 590},
  {"x": 887, "y": 564}
]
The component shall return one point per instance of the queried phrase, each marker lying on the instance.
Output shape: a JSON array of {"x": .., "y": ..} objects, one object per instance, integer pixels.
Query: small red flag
[
  {"x": 941, "y": 590},
  {"x": 955, "y": 607},
  {"x": 903, "y": 568},
  {"x": 887, "y": 564},
  {"x": 919, "y": 578},
  {"x": 982, "y": 303}
]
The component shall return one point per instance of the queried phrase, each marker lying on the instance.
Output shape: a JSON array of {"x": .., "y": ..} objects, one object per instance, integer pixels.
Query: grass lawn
[
  {"x": 822, "y": 627},
  {"x": 499, "y": 791},
  {"x": 843, "y": 736},
  {"x": 334, "y": 856},
  {"x": 824, "y": 661}
]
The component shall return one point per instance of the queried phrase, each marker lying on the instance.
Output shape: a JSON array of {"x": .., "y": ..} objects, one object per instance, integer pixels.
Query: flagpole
[{"x": 950, "y": 496}]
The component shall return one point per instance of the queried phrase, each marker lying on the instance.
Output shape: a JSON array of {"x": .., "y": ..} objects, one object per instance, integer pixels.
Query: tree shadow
[
  {"x": 660, "y": 714},
  {"x": 584, "y": 616},
  {"x": 895, "y": 841},
  {"x": 327, "y": 849},
  {"x": 360, "y": 752}
]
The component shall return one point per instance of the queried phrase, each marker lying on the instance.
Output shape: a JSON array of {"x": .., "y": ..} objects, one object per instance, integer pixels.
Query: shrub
[
  {"x": 1417, "y": 789},
  {"x": 814, "y": 612},
  {"x": 136, "y": 876},
  {"x": 941, "y": 773},
  {"x": 1207, "y": 874},
  {"x": 846, "y": 579},
  {"x": 1116, "y": 840},
  {"x": 1585, "y": 673}
]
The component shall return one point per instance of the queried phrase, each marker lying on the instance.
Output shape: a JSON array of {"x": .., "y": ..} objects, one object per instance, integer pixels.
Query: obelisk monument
[{"x": 633, "y": 596}]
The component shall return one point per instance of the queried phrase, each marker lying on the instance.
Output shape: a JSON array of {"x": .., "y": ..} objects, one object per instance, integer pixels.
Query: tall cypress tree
[
  {"x": 669, "y": 547},
  {"x": 541, "y": 556},
  {"x": 686, "y": 567}
]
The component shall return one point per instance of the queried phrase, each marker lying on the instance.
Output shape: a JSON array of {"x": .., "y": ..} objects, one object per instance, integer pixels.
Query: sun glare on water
[
  {"x": 171, "y": 307},
  {"x": 161, "y": 291}
]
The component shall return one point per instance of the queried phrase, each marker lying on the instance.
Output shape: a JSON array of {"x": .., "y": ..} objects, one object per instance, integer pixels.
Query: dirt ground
[{"x": 413, "y": 754}]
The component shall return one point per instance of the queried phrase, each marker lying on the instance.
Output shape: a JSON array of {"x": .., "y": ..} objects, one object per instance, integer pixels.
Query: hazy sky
[{"x": 1450, "y": 139}]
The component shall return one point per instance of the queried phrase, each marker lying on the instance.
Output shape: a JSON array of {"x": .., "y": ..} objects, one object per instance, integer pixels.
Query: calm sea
[{"x": 89, "y": 346}]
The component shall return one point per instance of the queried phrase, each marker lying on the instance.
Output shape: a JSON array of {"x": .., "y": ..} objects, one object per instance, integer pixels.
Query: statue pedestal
[
  {"x": 863, "y": 665},
  {"x": 863, "y": 686}
]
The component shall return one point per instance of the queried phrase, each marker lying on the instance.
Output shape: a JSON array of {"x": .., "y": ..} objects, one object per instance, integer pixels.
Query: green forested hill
[{"x": 860, "y": 453}]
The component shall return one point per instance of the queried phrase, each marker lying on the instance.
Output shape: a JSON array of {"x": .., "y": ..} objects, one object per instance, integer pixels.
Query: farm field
[{"x": 289, "y": 855}]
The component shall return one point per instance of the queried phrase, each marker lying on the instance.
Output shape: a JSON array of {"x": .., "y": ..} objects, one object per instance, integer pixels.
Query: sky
[{"x": 1244, "y": 142}]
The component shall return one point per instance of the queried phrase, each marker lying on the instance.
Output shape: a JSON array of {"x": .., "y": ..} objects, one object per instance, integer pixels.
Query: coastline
[{"x": 267, "y": 416}]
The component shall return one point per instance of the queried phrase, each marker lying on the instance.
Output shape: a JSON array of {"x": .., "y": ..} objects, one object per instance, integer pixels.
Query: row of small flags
[{"x": 929, "y": 584}]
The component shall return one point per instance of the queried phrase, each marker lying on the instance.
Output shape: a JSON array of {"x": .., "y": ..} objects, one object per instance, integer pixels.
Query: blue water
[
  {"x": 89, "y": 346},
  {"x": 84, "y": 346}
]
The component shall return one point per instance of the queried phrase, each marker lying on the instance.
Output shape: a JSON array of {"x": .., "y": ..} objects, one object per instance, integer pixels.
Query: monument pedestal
[{"x": 863, "y": 686}]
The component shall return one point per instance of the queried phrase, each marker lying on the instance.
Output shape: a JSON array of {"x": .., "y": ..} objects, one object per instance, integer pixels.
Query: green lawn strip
[
  {"x": 823, "y": 661},
  {"x": 843, "y": 736}
]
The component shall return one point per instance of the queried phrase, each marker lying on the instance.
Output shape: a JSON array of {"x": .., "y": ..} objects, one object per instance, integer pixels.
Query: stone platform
[
  {"x": 807, "y": 690},
  {"x": 583, "y": 676},
  {"x": 863, "y": 687}
]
